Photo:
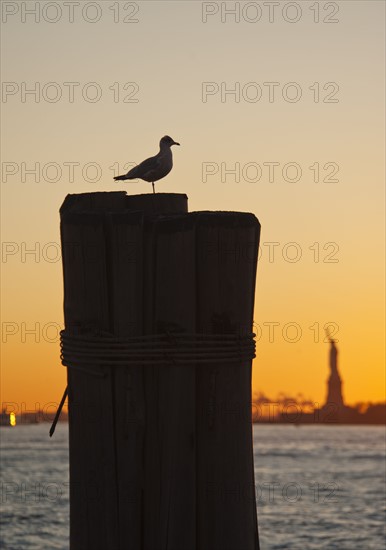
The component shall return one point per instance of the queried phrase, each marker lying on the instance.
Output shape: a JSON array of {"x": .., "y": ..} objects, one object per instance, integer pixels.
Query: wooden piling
[
  {"x": 160, "y": 452},
  {"x": 226, "y": 268}
]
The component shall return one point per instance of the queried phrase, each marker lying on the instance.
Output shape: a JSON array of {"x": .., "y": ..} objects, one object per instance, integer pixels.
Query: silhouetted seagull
[{"x": 153, "y": 168}]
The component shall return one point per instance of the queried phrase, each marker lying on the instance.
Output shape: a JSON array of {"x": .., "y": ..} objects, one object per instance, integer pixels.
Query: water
[
  {"x": 317, "y": 487},
  {"x": 329, "y": 487},
  {"x": 34, "y": 488}
]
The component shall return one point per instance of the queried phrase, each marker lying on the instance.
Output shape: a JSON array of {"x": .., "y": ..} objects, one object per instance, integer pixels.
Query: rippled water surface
[
  {"x": 320, "y": 487},
  {"x": 317, "y": 487}
]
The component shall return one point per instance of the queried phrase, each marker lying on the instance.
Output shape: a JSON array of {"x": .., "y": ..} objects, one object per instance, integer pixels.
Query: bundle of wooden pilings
[{"x": 161, "y": 453}]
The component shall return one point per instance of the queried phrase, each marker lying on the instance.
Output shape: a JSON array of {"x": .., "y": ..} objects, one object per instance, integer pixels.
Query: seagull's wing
[{"x": 144, "y": 169}]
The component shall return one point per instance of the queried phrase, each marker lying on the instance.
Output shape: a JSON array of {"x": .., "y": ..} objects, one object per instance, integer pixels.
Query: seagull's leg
[{"x": 153, "y": 186}]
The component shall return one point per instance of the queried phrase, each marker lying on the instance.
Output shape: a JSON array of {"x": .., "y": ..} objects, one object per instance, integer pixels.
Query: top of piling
[
  {"x": 151, "y": 203},
  {"x": 158, "y": 203}
]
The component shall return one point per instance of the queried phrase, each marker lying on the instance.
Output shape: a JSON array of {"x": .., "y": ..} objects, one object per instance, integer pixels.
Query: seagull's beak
[{"x": 175, "y": 143}]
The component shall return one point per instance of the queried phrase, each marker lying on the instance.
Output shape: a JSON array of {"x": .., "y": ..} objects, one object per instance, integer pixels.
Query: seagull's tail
[{"x": 124, "y": 177}]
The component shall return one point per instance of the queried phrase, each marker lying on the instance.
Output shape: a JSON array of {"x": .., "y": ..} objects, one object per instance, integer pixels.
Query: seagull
[{"x": 153, "y": 168}]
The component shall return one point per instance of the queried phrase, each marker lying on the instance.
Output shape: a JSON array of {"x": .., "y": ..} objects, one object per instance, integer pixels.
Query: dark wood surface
[
  {"x": 160, "y": 455},
  {"x": 227, "y": 249}
]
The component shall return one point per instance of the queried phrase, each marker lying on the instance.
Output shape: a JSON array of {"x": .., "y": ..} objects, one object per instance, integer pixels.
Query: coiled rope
[{"x": 87, "y": 352}]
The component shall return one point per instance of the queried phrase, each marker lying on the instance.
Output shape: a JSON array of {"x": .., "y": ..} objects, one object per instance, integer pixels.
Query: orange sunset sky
[{"x": 303, "y": 132}]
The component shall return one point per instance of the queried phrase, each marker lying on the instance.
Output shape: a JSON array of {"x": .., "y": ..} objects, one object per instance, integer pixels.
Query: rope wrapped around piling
[
  {"x": 85, "y": 351},
  {"x": 79, "y": 351}
]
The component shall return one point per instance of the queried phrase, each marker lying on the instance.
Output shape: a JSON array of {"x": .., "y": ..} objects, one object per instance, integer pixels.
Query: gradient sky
[{"x": 169, "y": 53}]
